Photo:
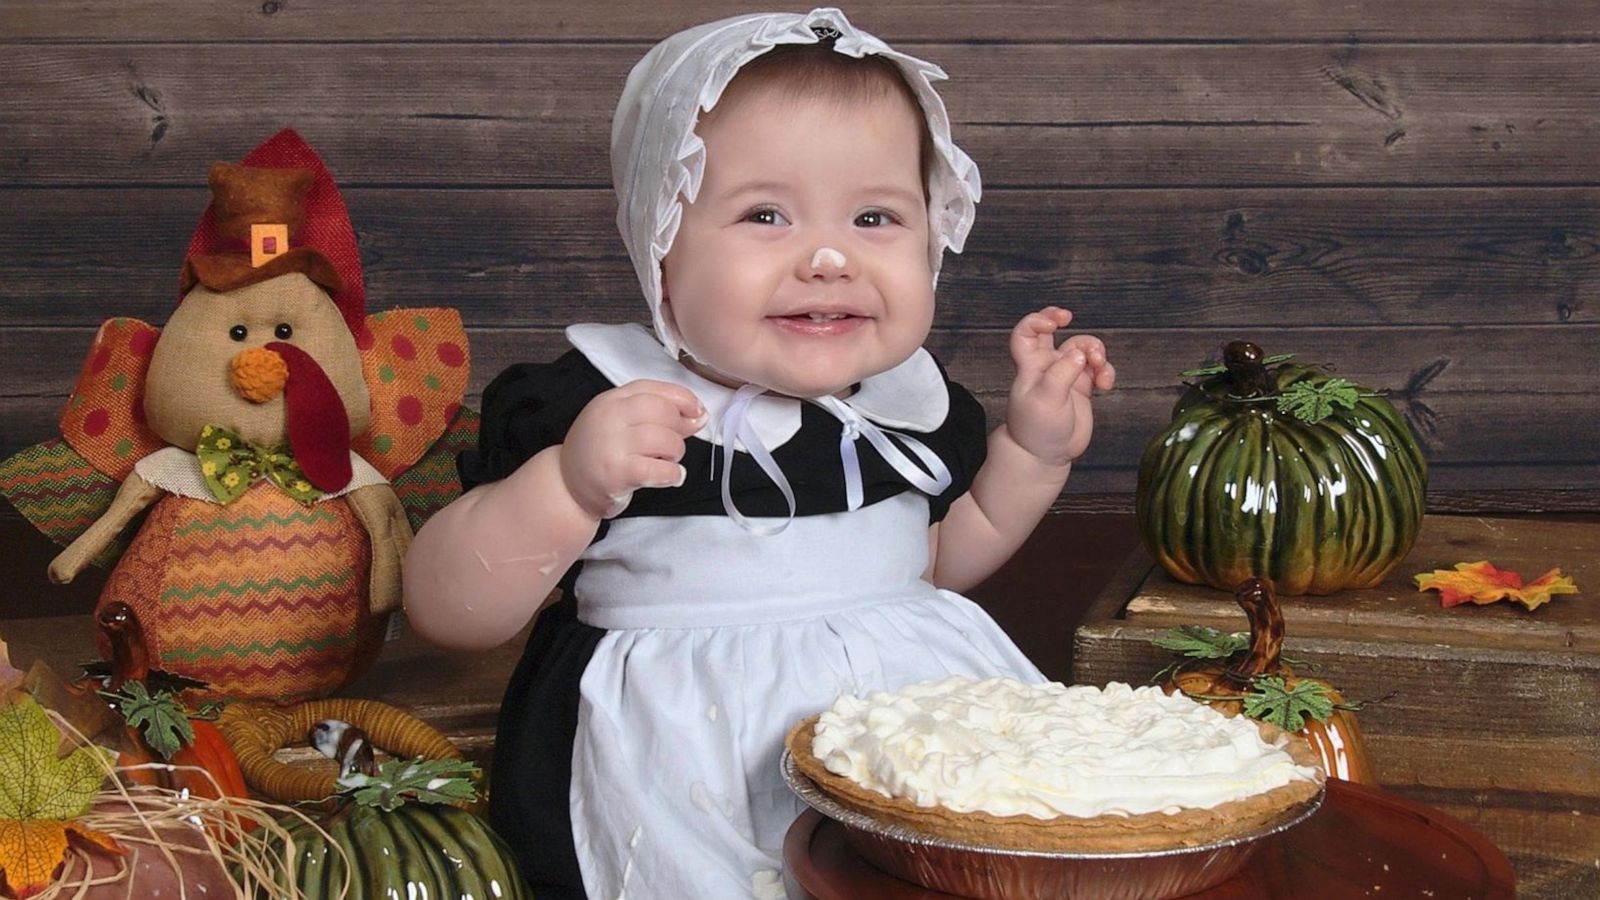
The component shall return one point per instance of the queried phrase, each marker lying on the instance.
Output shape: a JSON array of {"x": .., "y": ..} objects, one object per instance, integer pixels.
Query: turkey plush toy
[{"x": 257, "y": 433}]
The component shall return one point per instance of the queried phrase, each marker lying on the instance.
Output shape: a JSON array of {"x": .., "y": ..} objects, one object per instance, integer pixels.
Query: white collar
[
  {"x": 911, "y": 396},
  {"x": 177, "y": 471}
]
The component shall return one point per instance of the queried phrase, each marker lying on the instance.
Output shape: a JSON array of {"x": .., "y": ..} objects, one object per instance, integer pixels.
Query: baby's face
[{"x": 745, "y": 283}]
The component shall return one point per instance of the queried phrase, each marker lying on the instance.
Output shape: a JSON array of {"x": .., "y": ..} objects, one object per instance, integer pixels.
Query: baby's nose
[
  {"x": 258, "y": 374},
  {"x": 828, "y": 263}
]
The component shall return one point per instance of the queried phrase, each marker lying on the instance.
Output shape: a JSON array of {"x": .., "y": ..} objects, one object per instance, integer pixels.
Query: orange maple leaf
[
  {"x": 34, "y": 849},
  {"x": 1481, "y": 583},
  {"x": 40, "y": 796}
]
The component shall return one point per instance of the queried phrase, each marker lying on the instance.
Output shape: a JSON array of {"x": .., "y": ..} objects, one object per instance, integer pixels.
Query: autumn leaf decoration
[
  {"x": 1271, "y": 699},
  {"x": 1481, "y": 583},
  {"x": 1267, "y": 698},
  {"x": 398, "y": 781},
  {"x": 40, "y": 796},
  {"x": 159, "y": 717},
  {"x": 1203, "y": 642},
  {"x": 1311, "y": 403},
  {"x": 1200, "y": 642},
  {"x": 1308, "y": 401},
  {"x": 1219, "y": 368}
]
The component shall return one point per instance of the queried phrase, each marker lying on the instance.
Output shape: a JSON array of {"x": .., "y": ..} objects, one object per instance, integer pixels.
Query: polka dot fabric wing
[
  {"x": 430, "y": 484},
  {"x": 416, "y": 363},
  {"x": 104, "y": 418}
]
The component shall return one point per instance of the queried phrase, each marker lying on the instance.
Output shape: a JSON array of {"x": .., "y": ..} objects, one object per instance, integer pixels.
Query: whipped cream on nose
[{"x": 829, "y": 256}]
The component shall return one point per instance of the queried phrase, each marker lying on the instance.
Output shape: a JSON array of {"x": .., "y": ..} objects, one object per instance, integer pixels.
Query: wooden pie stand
[{"x": 1363, "y": 843}]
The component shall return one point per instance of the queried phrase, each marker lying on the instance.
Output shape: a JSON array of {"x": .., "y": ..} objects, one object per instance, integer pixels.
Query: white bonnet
[{"x": 656, "y": 156}]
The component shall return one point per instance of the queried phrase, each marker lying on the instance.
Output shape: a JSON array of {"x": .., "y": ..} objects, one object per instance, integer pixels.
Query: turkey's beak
[{"x": 258, "y": 374}]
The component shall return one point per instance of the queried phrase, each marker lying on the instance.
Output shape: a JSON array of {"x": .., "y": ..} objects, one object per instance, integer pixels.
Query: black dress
[{"x": 642, "y": 728}]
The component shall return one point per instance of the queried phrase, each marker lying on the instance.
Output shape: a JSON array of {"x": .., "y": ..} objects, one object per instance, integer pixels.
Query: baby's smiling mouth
[
  {"x": 821, "y": 312},
  {"x": 819, "y": 321}
]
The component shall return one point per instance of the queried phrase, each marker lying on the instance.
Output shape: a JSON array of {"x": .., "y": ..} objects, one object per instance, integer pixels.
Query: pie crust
[{"x": 1110, "y": 833}]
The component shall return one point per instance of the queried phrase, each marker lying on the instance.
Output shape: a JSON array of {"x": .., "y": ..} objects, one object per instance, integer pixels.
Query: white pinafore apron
[
  {"x": 722, "y": 632},
  {"x": 718, "y": 640}
]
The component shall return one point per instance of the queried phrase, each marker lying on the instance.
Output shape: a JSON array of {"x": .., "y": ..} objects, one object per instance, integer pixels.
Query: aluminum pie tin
[{"x": 990, "y": 873}]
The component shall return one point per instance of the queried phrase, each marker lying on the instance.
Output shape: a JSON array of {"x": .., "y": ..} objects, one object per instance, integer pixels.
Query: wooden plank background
[{"x": 1407, "y": 191}]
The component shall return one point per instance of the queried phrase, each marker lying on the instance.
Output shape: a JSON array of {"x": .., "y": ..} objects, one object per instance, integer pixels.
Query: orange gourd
[
  {"x": 207, "y": 750},
  {"x": 1337, "y": 741}
]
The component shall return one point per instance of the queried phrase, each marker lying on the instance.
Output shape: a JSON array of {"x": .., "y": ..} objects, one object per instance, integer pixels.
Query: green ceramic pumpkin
[
  {"x": 1283, "y": 473},
  {"x": 405, "y": 849}
]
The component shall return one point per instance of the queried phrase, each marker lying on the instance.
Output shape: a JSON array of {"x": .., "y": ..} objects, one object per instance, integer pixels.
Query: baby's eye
[
  {"x": 876, "y": 218},
  {"x": 765, "y": 215}
]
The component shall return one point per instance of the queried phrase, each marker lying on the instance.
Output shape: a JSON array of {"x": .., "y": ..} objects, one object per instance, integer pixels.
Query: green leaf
[
  {"x": 399, "y": 781},
  {"x": 34, "y": 782},
  {"x": 1272, "y": 700},
  {"x": 1200, "y": 642},
  {"x": 1311, "y": 403},
  {"x": 1219, "y": 368},
  {"x": 159, "y": 718}
]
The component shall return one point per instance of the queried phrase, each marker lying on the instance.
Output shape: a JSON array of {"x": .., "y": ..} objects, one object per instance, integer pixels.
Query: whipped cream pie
[{"x": 1045, "y": 766}]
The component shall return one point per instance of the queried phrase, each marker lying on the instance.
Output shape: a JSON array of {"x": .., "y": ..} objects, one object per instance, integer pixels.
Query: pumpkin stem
[
  {"x": 130, "y": 655},
  {"x": 1247, "y": 369},
  {"x": 1266, "y": 631}
]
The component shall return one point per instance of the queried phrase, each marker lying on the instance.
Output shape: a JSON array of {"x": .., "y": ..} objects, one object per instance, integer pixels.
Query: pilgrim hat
[{"x": 276, "y": 212}]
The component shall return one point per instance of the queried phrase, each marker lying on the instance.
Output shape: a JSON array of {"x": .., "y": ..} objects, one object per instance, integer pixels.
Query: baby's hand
[
  {"x": 1049, "y": 413},
  {"x": 627, "y": 438}
]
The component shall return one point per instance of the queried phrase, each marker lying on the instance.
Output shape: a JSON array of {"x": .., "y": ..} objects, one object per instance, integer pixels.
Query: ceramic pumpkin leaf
[{"x": 267, "y": 563}]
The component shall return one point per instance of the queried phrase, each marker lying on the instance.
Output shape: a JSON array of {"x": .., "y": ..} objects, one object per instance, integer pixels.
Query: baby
[{"x": 767, "y": 502}]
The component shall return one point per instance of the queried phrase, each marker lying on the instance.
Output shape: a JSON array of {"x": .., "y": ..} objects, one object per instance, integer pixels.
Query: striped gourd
[
  {"x": 414, "y": 851},
  {"x": 396, "y": 835},
  {"x": 1239, "y": 487}
]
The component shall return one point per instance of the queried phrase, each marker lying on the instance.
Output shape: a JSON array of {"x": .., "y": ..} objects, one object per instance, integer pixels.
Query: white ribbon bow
[{"x": 735, "y": 426}]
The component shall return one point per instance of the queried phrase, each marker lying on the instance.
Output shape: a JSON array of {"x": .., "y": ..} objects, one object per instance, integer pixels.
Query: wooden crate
[{"x": 1497, "y": 715}]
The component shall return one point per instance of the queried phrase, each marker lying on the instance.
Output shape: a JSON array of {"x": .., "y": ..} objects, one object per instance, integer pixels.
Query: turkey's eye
[
  {"x": 238, "y": 332},
  {"x": 284, "y": 331}
]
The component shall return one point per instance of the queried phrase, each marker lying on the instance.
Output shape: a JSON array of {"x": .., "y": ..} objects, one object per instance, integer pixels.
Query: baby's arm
[
  {"x": 1049, "y": 420},
  {"x": 485, "y": 564}
]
